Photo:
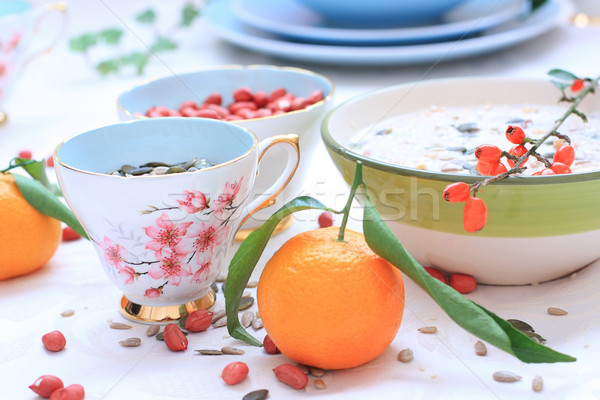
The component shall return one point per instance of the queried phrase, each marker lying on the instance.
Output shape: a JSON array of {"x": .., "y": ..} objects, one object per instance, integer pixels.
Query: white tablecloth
[{"x": 58, "y": 96}]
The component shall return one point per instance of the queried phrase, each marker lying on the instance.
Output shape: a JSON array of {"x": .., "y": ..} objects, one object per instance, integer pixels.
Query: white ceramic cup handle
[
  {"x": 60, "y": 7},
  {"x": 290, "y": 144}
]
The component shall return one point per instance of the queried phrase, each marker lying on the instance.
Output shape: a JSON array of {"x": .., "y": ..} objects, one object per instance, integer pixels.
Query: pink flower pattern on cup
[{"x": 181, "y": 250}]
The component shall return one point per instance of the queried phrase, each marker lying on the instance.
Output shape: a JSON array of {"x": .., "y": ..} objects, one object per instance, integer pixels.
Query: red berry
[
  {"x": 234, "y": 373},
  {"x": 560, "y": 168},
  {"x": 545, "y": 171},
  {"x": 463, "y": 283},
  {"x": 577, "y": 85},
  {"x": 498, "y": 169},
  {"x": 565, "y": 154},
  {"x": 50, "y": 161},
  {"x": 491, "y": 169},
  {"x": 270, "y": 346},
  {"x": 457, "y": 192},
  {"x": 488, "y": 153},
  {"x": 69, "y": 234},
  {"x": 325, "y": 219},
  {"x": 25, "y": 154},
  {"x": 436, "y": 273},
  {"x": 515, "y": 134},
  {"x": 517, "y": 151},
  {"x": 474, "y": 215}
]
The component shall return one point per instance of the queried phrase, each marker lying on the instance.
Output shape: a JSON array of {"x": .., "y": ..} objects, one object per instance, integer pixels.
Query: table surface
[{"x": 59, "y": 95}]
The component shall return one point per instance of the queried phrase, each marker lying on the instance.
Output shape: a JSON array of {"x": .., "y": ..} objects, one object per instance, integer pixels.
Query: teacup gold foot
[
  {"x": 166, "y": 314},
  {"x": 282, "y": 226}
]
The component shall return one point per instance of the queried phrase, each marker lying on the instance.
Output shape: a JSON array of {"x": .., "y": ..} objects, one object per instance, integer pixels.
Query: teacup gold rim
[
  {"x": 329, "y": 96},
  {"x": 229, "y": 162}
]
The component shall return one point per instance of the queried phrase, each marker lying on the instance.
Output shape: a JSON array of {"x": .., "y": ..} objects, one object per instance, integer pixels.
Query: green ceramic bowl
[{"x": 539, "y": 228}]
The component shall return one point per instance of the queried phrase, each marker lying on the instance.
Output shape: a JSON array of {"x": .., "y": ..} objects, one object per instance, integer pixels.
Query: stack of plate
[{"x": 287, "y": 29}]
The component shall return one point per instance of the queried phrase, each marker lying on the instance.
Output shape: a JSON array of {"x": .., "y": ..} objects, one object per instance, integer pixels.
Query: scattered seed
[
  {"x": 469, "y": 127},
  {"x": 252, "y": 284},
  {"x": 460, "y": 149},
  {"x": 119, "y": 325},
  {"x": 320, "y": 384},
  {"x": 257, "y": 314},
  {"x": 520, "y": 325},
  {"x": 232, "y": 351},
  {"x": 318, "y": 372},
  {"x": 67, "y": 313},
  {"x": 383, "y": 132},
  {"x": 247, "y": 318},
  {"x": 246, "y": 302},
  {"x": 405, "y": 355},
  {"x": 181, "y": 321},
  {"x": 131, "y": 342},
  {"x": 217, "y": 315},
  {"x": 209, "y": 352},
  {"x": 160, "y": 336},
  {"x": 506, "y": 376},
  {"x": 303, "y": 368},
  {"x": 537, "y": 384},
  {"x": 480, "y": 348},
  {"x": 140, "y": 171},
  {"x": 214, "y": 287},
  {"x": 257, "y": 324},
  {"x": 220, "y": 323},
  {"x": 152, "y": 330},
  {"x": 428, "y": 329},
  {"x": 556, "y": 311},
  {"x": 221, "y": 278},
  {"x": 261, "y": 394},
  {"x": 535, "y": 336}
]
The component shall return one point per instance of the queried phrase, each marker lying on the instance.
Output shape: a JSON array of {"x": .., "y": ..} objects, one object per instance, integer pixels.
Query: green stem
[
  {"x": 12, "y": 164},
  {"x": 357, "y": 181}
]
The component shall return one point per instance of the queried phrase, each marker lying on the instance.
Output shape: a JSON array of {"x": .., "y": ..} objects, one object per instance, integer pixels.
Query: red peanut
[
  {"x": 437, "y": 274},
  {"x": 270, "y": 346},
  {"x": 71, "y": 392},
  {"x": 315, "y": 96},
  {"x": 242, "y": 94},
  {"x": 45, "y": 385},
  {"x": 174, "y": 338},
  {"x": 198, "y": 321},
  {"x": 54, "y": 341},
  {"x": 291, "y": 375},
  {"x": 463, "y": 283},
  {"x": 261, "y": 99},
  {"x": 214, "y": 98},
  {"x": 234, "y": 373},
  {"x": 277, "y": 93},
  {"x": 69, "y": 234}
]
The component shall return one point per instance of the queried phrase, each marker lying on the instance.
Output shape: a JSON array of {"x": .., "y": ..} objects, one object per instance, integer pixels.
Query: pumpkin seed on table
[
  {"x": 256, "y": 395},
  {"x": 506, "y": 376},
  {"x": 520, "y": 325},
  {"x": 131, "y": 342},
  {"x": 246, "y": 302},
  {"x": 209, "y": 352}
]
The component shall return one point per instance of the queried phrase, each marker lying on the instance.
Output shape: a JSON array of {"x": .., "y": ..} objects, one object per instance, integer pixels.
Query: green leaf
[
  {"x": 138, "y": 59},
  {"x": 560, "y": 84},
  {"x": 146, "y": 17},
  {"x": 561, "y": 74},
  {"x": 245, "y": 259},
  {"x": 188, "y": 14},
  {"x": 83, "y": 42},
  {"x": 37, "y": 170},
  {"x": 47, "y": 203},
  {"x": 163, "y": 44},
  {"x": 107, "y": 67},
  {"x": 466, "y": 313},
  {"x": 111, "y": 36}
]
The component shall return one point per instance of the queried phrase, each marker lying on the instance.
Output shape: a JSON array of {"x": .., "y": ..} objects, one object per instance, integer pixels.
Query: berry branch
[{"x": 489, "y": 156}]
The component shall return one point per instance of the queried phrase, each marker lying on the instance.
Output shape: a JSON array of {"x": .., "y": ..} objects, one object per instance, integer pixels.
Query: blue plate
[
  {"x": 224, "y": 24},
  {"x": 291, "y": 20}
]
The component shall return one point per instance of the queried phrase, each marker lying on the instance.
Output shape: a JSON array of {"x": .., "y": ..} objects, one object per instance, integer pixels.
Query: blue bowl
[{"x": 380, "y": 13}]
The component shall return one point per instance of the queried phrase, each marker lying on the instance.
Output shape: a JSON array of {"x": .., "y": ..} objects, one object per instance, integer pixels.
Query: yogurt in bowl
[{"x": 539, "y": 227}]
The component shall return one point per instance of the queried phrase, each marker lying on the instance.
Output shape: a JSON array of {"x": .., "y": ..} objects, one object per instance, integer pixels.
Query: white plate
[
  {"x": 292, "y": 20},
  {"x": 225, "y": 25}
]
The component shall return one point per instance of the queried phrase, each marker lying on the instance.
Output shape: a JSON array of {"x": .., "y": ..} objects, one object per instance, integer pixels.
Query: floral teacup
[
  {"x": 18, "y": 22},
  {"x": 163, "y": 238}
]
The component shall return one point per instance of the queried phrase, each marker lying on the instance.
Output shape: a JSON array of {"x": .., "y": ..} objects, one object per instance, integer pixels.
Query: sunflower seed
[
  {"x": 318, "y": 372},
  {"x": 218, "y": 315},
  {"x": 320, "y": 384},
  {"x": 256, "y": 395},
  {"x": 119, "y": 325},
  {"x": 252, "y": 284},
  {"x": 257, "y": 324},
  {"x": 480, "y": 348},
  {"x": 247, "y": 318},
  {"x": 506, "y": 376},
  {"x": 67, "y": 313},
  {"x": 152, "y": 330},
  {"x": 520, "y": 325},
  {"x": 232, "y": 350},
  {"x": 405, "y": 355},
  {"x": 220, "y": 323},
  {"x": 246, "y": 302},
  {"x": 428, "y": 329},
  {"x": 537, "y": 384},
  {"x": 556, "y": 311},
  {"x": 209, "y": 352},
  {"x": 131, "y": 342}
]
